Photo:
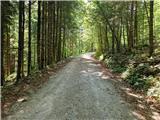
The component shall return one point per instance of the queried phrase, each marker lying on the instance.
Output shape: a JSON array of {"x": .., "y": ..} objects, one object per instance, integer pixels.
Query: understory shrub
[
  {"x": 117, "y": 63},
  {"x": 136, "y": 70},
  {"x": 137, "y": 78}
]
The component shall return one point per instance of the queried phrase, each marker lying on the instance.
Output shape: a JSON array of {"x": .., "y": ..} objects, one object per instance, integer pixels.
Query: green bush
[
  {"x": 142, "y": 68},
  {"x": 142, "y": 76},
  {"x": 116, "y": 63},
  {"x": 137, "y": 78},
  {"x": 119, "y": 69},
  {"x": 98, "y": 54}
]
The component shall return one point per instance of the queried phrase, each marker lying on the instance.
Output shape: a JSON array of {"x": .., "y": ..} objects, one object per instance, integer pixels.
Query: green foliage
[
  {"x": 8, "y": 12},
  {"x": 98, "y": 54},
  {"x": 137, "y": 77},
  {"x": 118, "y": 69},
  {"x": 117, "y": 63}
]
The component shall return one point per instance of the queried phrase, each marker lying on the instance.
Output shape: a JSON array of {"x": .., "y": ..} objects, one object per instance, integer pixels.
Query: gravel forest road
[{"x": 79, "y": 91}]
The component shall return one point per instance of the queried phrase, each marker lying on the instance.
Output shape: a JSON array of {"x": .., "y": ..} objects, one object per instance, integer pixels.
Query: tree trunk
[
  {"x": 151, "y": 49},
  {"x": 2, "y": 49},
  {"x": 23, "y": 22},
  {"x": 124, "y": 38},
  {"x": 53, "y": 30},
  {"x": 118, "y": 41},
  {"x": 64, "y": 43},
  {"x": 113, "y": 40},
  {"x": 46, "y": 33},
  {"x": 135, "y": 26},
  {"x": 43, "y": 37},
  {"x": 130, "y": 40},
  {"x": 100, "y": 39},
  {"x": 8, "y": 51},
  {"x": 20, "y": 40},
  {"x": 38, "y": 36},
  {"x": 107, "y": 41},
  {"x": 34, "y": 54},
  {"x": 120, "y": 37},
  {"x": 59, "y": 39},
  {"x": 29, "y": 38},
  {"x": 57, "y": 32},
  {"x": 49, "y": 54}
]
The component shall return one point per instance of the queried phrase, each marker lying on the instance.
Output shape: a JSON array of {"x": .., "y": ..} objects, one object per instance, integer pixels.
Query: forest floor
[{"x": 83, "y": 89}]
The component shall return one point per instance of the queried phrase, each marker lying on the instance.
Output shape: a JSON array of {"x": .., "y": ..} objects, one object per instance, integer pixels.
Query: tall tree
[
  {"x": 106, "y": 38},
  {"x": 135, "y": 25},
  {"x": 130, "y": 37},
  {"x": 57, "y": 31},
  {"x": 29, "y": 38},
  {"x": 20, "y": 40},
  {"x": 2, "y": 46},
  {"x": 38, "y": 36},
  {"x": 8, "y": 50},
  {"x": 49, "y": 48},
  {"x": 53, "y": 17},
  {"x": 151, "y": 49},
  {"x": 43, "y": 37},
  {"x": 7, "y": 13},
  {"x": 59, "y": 37},
  {"x": 46, "y": 32}
]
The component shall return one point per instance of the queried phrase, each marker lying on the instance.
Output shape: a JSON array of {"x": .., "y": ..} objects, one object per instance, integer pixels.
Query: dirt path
[{"x": 77, "y": 92}]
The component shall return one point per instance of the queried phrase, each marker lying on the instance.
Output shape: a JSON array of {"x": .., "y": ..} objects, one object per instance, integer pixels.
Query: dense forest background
[
  {"x": 37, "y": 34},
  {"x": 125, "y": 35}
]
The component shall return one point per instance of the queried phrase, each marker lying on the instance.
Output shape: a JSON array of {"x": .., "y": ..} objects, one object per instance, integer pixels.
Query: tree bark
[
  {"x": 135, "y": 25},
  {"x": 59, "y": 39},
  {"x": 43, "y": 37},
  {"x": 107, "y": 41},
  {"x": 151, "y": 49},
  {"x": 38, "y": 36},
  {"x": 46, "y": 33},
  {"x": 20, "y": 40},
  {"x": 49, "y": 54},
  {"x": 113, "y": 41},
  {"x": 8, "y": 51},
  {"x": 130, "y": 40},
  {"x": 29, "y": 38},
  {"x": 2, "y": 49},
  {"x": 57, "y": 30},
  {"x": 53, "y": 30},
  {"x": 124, "y": 38}
]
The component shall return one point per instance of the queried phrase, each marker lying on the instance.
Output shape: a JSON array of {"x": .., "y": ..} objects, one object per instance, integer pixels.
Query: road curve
[{"x": 77, "y": 92}]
